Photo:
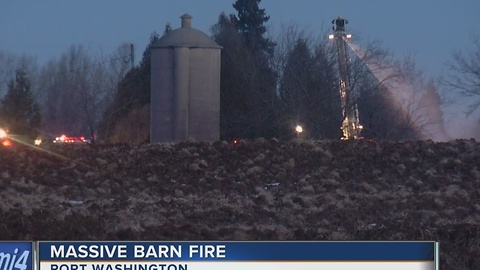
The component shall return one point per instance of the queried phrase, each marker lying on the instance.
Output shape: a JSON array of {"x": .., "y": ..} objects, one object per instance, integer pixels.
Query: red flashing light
[
  {"x": 66, "y": 139},
  {"x": 7, "y": 143}
]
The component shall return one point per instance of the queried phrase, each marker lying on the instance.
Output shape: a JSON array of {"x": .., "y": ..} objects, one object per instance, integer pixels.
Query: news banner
[{"x": 269, "y": 255}]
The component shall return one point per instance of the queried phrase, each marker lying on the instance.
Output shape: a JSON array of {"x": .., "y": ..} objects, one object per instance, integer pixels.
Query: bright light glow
[
  {"x": 7, "y": 143},
  {"x": 38, "y": 142},
  {"x": 299, "y": 129},
  {"x": 331, "y": 36},
  {"x": 3, "y": 133},
  {"x": 349, "y": 36}
]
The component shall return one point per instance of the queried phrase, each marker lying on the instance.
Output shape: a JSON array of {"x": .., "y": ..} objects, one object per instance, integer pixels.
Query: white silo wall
[
  {"x": 180, "y": 93},
  {"x": 162, "y": 102},
  {"x": 185, "y": 86},
  {"x": 204, "y": 106}
]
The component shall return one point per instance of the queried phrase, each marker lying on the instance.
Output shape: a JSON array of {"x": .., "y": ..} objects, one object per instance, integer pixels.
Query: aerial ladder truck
[{"x": 351, "y": 127}]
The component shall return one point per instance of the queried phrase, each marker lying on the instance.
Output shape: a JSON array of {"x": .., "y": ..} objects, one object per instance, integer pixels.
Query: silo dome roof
[{"x": 186, "y": 36}]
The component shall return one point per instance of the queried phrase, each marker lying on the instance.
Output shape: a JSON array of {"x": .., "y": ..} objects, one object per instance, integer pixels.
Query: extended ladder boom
[{"x": 351, "y": 127}]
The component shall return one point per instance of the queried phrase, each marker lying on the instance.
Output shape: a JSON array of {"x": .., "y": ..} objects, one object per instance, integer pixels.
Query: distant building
[{"x": 185, "y": 86}]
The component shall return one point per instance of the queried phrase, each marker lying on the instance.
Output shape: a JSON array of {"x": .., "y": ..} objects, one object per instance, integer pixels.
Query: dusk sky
[{"x": 430, "y": 30}]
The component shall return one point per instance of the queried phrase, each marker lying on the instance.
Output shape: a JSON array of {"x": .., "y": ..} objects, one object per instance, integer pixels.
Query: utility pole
[{"x": 132, "y": 56}]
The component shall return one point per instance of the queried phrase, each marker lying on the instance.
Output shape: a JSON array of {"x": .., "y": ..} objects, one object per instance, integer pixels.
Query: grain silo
[{"x": 185, "y": 86}]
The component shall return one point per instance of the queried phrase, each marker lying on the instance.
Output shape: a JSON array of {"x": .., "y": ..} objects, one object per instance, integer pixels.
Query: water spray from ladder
[{"x": 402, "y": 94}]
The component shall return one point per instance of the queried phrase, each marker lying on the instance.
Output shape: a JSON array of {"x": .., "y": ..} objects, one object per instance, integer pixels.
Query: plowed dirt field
[{"x": 259, "y": 190}]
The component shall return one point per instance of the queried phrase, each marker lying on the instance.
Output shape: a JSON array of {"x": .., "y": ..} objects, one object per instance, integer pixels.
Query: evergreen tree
[
  {"x": 247, "y": 86},
  {"x": 308, "y": 91},
  {"x": 19, "y": 111},
  {"x": 250, "y": 21},
  {"x": 256, "y": 76},
  {"x": 235, "y": 61},
  {"x": 296, "y": 84}
]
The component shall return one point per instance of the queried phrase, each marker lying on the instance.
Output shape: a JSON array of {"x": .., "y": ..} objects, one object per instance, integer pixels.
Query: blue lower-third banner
[{"x": 235, "y": 255}]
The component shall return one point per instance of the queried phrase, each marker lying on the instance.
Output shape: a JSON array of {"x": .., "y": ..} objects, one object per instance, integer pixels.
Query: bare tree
[
  {"x": 465, "y": 77},
  {"x": 103, "y": 78},
  {"x": 391, "y": 93},
  {"x": 306, "y": 84},
  {"x": 399, "y": 103},
  {"x": 116, "y": 66},
  {"x": 132, "y": 90},
  {"x": 77, "y": 88}
]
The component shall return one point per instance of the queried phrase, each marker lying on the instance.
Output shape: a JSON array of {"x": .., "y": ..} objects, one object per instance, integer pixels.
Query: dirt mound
[{"x": 260, "y": 190}]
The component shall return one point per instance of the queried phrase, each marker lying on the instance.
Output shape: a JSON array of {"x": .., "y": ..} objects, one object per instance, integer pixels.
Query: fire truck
[{"x": 70, "y": 140}]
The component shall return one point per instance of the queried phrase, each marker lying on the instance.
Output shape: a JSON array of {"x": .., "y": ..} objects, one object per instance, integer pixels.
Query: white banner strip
[{"x": 238, "y": 265}]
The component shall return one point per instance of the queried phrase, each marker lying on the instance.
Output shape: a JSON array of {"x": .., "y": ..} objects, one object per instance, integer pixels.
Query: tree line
[{"x": 268, "y": 86}]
